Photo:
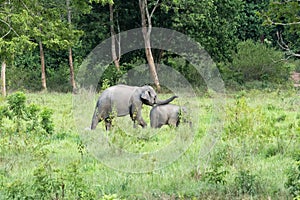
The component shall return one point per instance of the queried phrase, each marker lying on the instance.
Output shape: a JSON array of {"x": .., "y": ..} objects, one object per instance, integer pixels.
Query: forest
[{"x": 233, "y": 63}]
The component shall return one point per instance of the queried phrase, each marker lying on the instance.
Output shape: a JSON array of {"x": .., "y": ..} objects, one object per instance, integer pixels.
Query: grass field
[{"x": 248, "y": 149}]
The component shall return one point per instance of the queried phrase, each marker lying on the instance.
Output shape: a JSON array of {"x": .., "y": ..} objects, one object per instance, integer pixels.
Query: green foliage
[
  {"x": 243, "y": 164},
  {"x": 211, "y": 23},
  {"x": 250, "y": 26},
  {"x": 185, "y": 69},
  {"x": 283, "y": 16},
  {"x": 46, "y": 121},
  {"x": 45, "y": 182},
  {"x": 217, "y": 25},
  {"x": 111, "y": 76},
  {"x": 246, "y": 182},
  {"x": 16, "y": 103},
  {"x": 75, "y": 185},
  {"x": 244, "y": 121},
  {"x": 215, "y": 176},
  {"x": 17, "y": 117},
  {"x": 293, "y": 181},
  {"x": 13, "y": 37},
  {"x": 256, "y": 61}
]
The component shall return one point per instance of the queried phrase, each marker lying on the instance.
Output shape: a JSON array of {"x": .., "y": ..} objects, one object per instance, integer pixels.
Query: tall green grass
[{"x": 252, "y": 158}]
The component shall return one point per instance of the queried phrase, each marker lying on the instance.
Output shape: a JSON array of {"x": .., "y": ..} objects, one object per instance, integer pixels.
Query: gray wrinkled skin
[{"x": 168, "y": 114}]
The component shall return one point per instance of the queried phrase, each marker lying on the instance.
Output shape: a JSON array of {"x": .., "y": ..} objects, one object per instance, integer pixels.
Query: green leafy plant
[
  {"x": 46, "y": 183},
  {"x": 25, "y": 118},
  {"x": 293, "y": 181},
  {"x": 246, "y": 182},
  {"x": 215, "y": 175},
  {"x": 257, "y": 61}
]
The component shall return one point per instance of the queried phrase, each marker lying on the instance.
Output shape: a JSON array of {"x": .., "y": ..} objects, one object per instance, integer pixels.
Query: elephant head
[{"x": 149, "y": 97}]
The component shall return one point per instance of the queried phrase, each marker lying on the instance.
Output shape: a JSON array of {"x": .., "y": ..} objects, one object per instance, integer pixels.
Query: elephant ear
[{"x": 145, "y": 96}]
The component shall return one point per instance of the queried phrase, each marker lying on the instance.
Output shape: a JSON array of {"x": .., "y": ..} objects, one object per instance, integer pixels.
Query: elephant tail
[
  {"x": 160, "y": 102},
  {"x": 95, "y": 119}
]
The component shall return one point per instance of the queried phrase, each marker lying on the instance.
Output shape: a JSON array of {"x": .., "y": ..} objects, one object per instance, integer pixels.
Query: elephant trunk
[{"x": 163, "y": 102}]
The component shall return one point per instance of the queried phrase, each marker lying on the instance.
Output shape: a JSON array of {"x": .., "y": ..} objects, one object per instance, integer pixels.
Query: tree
[
  {"x": 285, "y": 18},
  {"x": 48, "y": 29},
  {"x": 250, "y": 25},
  {"x": 81, "y": 7},
  {"x": 72, "y": 77},
  {"x": 116, "y": 58},
  {"x": 3, "y": 78},
  {"x": 13, "y": 38},
  {"x": 146, "y": 30},
  {"x": 53, "y": 31},
  {"x": 212, "y": 23}
]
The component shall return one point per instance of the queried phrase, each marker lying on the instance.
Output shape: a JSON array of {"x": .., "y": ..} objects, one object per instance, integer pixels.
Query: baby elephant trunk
[{"x": 163, "y": 102}]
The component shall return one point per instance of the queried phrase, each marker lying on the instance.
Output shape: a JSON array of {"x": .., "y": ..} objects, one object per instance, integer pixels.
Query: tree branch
[
  {"x": 285, "y": 47},
  {"x": 282, "y": 24},
  {"x": 156, "y": 5},
  {"x": 280, "y": 3},
  {"x": 10, "y": 29},
  {"x": 149, "y": 16}
]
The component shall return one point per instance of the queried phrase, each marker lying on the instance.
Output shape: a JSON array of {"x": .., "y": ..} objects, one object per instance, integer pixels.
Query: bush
[
  {"x": 257, "y": 61},
  {"x": 246, "y": 182},
  {"x": 293, "y": 181},
  {"x": 18, "y": 118}
]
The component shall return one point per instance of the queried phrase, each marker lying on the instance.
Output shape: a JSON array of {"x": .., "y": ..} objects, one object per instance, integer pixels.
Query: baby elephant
[{"x": 166, "y": 114}]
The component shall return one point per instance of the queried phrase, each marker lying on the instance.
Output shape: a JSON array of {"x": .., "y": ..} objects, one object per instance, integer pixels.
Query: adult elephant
[{"x": 121, "y": 100}]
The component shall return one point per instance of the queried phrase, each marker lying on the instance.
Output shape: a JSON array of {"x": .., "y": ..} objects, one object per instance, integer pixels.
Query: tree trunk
[
  {"x": 72, "y": 76},
  {"x": 43, "y": 69},
  {"x": 151, "y": 64},
  {"x": 146, "y": 34},
  {"x": 3, "y": 70},
  {"x": 113, "y": 37}
]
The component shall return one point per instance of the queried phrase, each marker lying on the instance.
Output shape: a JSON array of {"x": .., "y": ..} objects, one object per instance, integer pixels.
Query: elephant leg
[
  {"x": 108, "y": 124},
  {"x": 142, "y": 122},
  {"x": 158, "y": 125},
  {"x": 136, "y": 116},
  {"x": 96, "y": 119},
  {"x": 173, "y": 122},
  {"x": 153, "y": 122}
]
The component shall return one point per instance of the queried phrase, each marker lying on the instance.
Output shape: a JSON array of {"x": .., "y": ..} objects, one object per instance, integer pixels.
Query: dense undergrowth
[{"x": 256, "y": 156}]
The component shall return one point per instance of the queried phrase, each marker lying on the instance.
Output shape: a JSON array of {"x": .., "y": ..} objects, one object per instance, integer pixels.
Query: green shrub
[
  {"x": 256, "y": 122},
  {"x": 215, "y": 175},
  {"x": 256, "y": 61},
  {"x": 46, "y": 184},
  {"x": 293, "y": 181},
  {"x": 16, "y": 117},
  {"x": 246, "y": 182}
]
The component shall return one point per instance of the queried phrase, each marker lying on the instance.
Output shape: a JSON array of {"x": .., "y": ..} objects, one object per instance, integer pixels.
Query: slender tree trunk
[
  {"x": 43, "y": 68},
  {"x": 113, "y": 37},
  {"x": 151, "y": 64},
  {"x": 3, "y": 78},
  {"x": 72, "y": 76},
  {"x": 146, "y": 34}
]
